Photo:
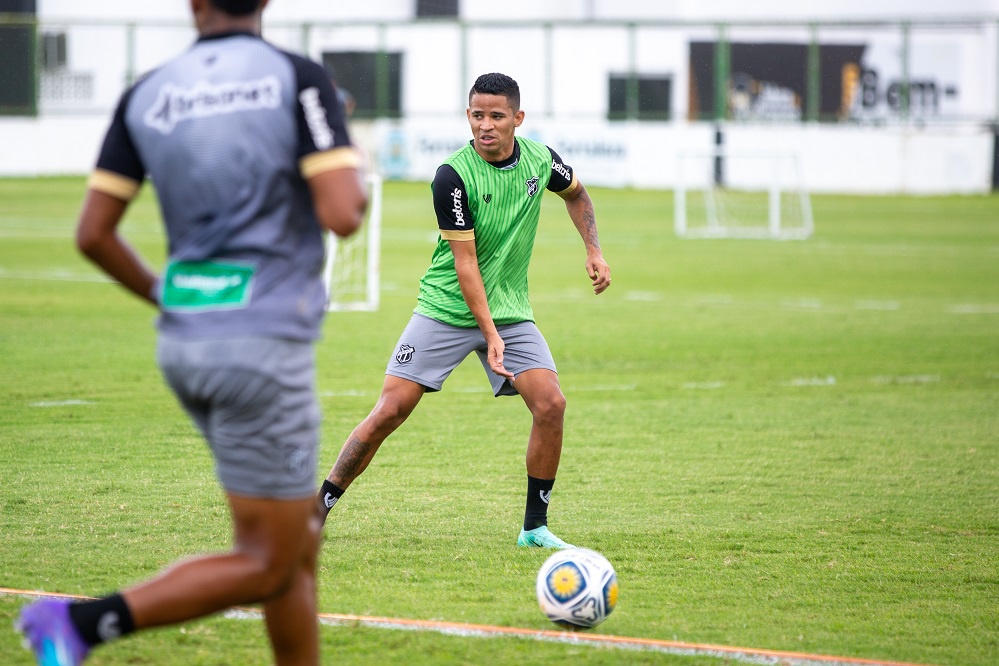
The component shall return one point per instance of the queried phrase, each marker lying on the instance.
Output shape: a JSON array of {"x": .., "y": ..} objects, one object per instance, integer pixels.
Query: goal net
[
  {"x": 352, "y": 271},
  {"x": 748, "y": 195}
]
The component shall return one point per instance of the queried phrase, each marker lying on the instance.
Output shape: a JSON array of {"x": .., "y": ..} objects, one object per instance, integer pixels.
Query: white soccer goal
[
  {"x": 741, "y": 195},
  {"x": 352, "y": 269}
]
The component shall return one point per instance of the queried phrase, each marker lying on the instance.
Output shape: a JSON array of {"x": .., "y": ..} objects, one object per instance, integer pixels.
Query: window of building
[
  {"x": 53, "y": 50},
  {"x": 371, "y": 78},
  {"x": 650, "y": 98},
  {"x": 436, "y": 8}
]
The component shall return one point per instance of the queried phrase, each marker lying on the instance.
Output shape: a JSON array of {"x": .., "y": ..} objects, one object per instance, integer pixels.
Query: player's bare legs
[
  {"x": 291, "y": 617},
  {"x": 273, "y": 540},
  {"x": 543, "y": 395},
  {"x": 397, "y": 401}
]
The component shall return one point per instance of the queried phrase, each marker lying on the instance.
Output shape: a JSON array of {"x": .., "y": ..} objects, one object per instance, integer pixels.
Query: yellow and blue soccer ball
[{"x": 577, "y": 588}]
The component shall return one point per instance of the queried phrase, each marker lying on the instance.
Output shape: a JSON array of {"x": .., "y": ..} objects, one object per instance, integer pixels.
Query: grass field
[{"x": 790, "y": 446}]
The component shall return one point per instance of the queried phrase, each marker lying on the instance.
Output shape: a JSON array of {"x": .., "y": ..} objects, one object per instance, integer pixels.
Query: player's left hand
[
  {"x": 599, "y": 272},
  {"x": 494, "y": 354}
]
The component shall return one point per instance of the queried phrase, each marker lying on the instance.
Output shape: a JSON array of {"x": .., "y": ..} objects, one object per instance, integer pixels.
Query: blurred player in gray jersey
[{"x": 248, "y": 150}]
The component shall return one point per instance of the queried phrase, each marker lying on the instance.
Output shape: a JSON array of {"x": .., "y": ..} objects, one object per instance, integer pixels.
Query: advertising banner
[{"x": 878, "y": 77}]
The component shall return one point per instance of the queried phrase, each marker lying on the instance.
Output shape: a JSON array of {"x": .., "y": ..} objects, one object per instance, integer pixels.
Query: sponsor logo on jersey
[
  {"x": 532, "y": 186},
  {"x": 561, "y": 170},
  {"x": 487, "y": 197},
  {"x": 405, "y": 353},
  {"x": 459, "y": 214},
  {"x": 315, "y": 118},
  {"x": 174, "y": 104}
]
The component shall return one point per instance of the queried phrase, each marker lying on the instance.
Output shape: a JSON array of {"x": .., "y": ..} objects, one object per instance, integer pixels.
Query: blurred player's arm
[
  {"x": 97, "y": 237},
  {"x": 339, "y": 194},
  {"x": 329, "y": 163},
  {"x": 580, "y": 207},
  {"x": 113, "y": 184}
]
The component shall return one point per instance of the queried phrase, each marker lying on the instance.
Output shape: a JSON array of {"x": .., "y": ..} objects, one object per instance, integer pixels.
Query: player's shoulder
[
  {"x": 535, "y": 148},
  {"x": 446, "y": 178},
  {"x": 140, "y": 81},
  {"x": 307, "y": 71},
  {"x": 531, "y": 144},
  {"x": 459, "y": 154}
]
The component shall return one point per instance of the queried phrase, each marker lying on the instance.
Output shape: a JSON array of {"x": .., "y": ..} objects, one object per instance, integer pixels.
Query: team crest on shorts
[
  {"x": 405, "y": 354},
  {"x": 296, "y": 461}
]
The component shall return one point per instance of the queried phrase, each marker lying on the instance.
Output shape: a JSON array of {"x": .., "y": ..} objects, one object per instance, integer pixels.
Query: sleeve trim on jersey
[
  {"x": 569, "y": 190},
  {"x": 344, "y": 157},
  {"x": 109, "y": 182},
  {"x": 453, "y": 235}
]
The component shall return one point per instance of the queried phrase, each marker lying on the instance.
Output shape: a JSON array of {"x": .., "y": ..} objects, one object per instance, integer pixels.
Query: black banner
[
  {"x": 769, "y": 80},
  {"x": 17, "y": 60}
]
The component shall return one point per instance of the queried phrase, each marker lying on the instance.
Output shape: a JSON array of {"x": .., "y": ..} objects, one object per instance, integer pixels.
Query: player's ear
[{"x": 518, "y": 118}]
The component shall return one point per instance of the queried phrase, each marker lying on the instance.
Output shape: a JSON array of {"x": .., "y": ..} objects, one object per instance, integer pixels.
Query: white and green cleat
[{"x": 541, "y": 537}]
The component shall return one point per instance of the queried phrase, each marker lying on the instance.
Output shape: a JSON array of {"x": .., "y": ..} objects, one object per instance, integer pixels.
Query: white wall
[
  {"x": 567, "y": 100},
  {"x": 50, "y": 146},
  {"x": 830, "y": 158},
  {"x": 322, "y": 10}
]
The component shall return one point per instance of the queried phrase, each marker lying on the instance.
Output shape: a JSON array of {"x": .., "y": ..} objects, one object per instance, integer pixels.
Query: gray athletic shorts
[
  {"x": 254, "y": 400},
  {"x": 428, "y": 350}
]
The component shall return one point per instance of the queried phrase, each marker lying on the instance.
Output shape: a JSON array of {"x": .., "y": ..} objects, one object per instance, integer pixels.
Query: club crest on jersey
[
  {"x": 487, "y": 197},
  {"x": 532, "y": 186},
  {"x": 405, "y": 354}
]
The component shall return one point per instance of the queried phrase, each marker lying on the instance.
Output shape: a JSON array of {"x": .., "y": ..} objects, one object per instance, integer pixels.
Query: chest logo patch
[
  {"x": 487, "y": 197},
  {"x": 532, "y": 186}
]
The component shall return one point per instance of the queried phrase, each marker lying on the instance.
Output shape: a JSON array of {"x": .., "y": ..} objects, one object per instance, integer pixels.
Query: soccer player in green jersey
[{"x": 474, "y": 296}]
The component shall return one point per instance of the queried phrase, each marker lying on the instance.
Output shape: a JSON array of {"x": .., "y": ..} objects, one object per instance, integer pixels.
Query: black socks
[
  {"x": 539, "y": 491},
  {"x": 535, "y": 514},
  {"x": 329, "y": 493},
  {"x": 102, "y": 620}
]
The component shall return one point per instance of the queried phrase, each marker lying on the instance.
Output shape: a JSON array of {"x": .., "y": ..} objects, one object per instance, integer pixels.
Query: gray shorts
[
  {"x": 254, "y": 400},
  {"x": 428, "y": 350}
]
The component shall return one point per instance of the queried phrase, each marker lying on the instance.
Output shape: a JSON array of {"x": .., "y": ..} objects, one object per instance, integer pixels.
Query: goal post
[
  {"x": 722, "y": 194},
  {"x": 352, "y": 269}
]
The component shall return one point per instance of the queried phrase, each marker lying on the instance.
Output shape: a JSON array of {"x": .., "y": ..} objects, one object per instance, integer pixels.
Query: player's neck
[
  {"x": 215, "y": 22},
  {"x": 496, "y": 157}
]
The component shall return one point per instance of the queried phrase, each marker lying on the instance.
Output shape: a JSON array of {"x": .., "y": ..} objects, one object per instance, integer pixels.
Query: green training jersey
[{"x": 496, "y": 206}]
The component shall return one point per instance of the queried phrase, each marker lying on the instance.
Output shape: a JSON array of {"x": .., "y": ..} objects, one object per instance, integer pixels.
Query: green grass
[{"x": 790, "y": 446}]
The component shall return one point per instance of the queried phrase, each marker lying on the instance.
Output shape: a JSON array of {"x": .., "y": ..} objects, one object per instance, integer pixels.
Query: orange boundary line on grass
[{"x": 779, "y": 657}]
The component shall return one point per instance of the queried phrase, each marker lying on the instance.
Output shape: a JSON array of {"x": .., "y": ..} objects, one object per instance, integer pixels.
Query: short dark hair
[
  {"x": 497, "y": 84},
  {"x": 236, "y": 7}
]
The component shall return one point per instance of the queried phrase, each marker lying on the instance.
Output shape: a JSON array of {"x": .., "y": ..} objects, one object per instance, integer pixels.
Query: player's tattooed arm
[{"x": 580, "y": 208}]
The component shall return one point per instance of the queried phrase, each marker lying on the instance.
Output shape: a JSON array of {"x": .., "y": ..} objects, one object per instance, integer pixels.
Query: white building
[{"x": 619, "y": 87}]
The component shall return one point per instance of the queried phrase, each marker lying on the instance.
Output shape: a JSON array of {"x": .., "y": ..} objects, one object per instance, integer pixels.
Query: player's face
[{"x": 493, "y": 122}]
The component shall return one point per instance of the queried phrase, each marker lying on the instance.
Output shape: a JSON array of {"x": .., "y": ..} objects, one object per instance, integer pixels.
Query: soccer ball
[{"x": 577, "y": 588}]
